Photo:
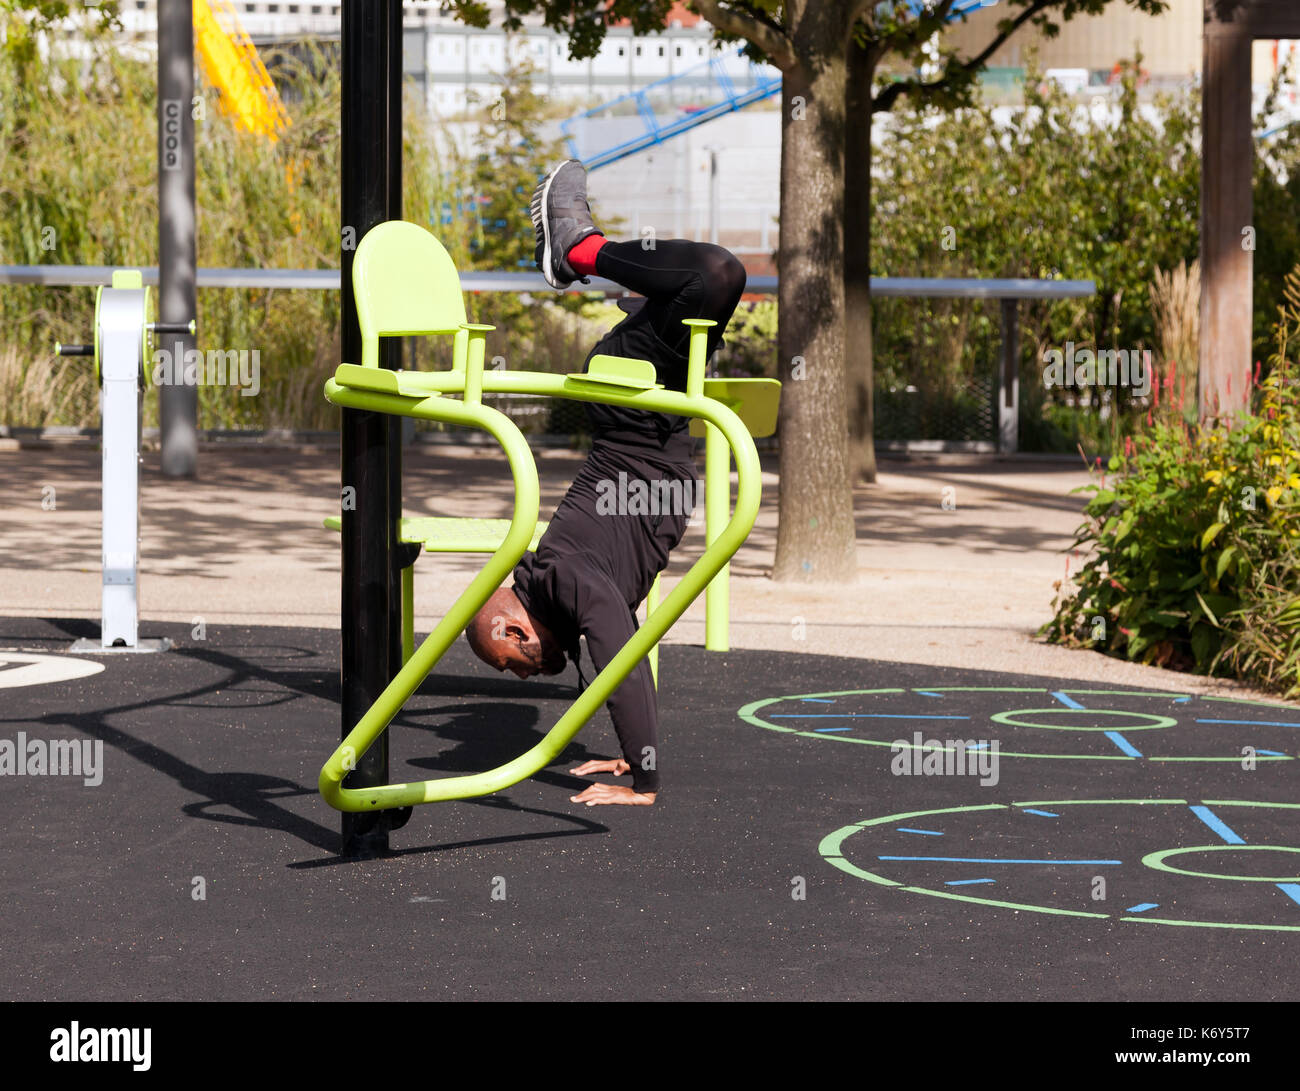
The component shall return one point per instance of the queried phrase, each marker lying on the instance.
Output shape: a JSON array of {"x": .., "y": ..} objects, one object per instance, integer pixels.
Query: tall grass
[{"x": 78, "y": 185}]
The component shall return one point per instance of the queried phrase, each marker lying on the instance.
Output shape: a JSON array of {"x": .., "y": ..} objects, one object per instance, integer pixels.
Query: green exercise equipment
[{"x": 406, "y": 285}]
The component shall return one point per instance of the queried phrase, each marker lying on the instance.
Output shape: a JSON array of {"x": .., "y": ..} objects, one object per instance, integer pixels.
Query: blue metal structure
[{"x": 647, "y": 127}]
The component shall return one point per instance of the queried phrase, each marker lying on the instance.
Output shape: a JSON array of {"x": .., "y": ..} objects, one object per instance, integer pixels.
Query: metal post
[
  {"x": 178, "y": 401},
  {"x": 370, "y": 626},
  {"x": 717, "y": 510},
  {"x": 122, "y": 314},
  {"x": 1227, "y": 234},
  {"x": 399, "y": 428},
  {"x": 1009, "y": 380}
]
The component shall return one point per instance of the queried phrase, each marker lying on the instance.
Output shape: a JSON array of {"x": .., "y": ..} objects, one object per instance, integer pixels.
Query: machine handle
[
  {"x": 172, "y": 327},
  {"x": 61, "y": 349}
]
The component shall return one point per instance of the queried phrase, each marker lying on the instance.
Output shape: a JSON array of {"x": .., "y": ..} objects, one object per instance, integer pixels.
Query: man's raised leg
[{"x": 679, "y": 278}]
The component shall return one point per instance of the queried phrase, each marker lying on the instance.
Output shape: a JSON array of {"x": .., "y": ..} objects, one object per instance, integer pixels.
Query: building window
[
  {"x": 700, "y": 51},
  {"x": 622, "y": 52},
  {"x": 661, "y": 51},
  {"x": 679, "y": 51},
  {"x": 638, "y": 51}
]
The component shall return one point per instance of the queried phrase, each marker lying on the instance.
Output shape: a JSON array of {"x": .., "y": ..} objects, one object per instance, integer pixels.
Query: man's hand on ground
[
  {"x": 613, "y": 793},
  {"x": 617, "y": 766}
]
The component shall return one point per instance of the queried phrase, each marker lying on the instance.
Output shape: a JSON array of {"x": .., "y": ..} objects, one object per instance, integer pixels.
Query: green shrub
[{"x": 1193, "y": 544}]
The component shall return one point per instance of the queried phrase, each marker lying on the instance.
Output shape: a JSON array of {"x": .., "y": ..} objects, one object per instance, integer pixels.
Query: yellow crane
[{"x": 231, "y": 64}]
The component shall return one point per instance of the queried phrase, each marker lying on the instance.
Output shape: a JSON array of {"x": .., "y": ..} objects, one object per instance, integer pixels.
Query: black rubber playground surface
[{"x": 1124, "y": 844}]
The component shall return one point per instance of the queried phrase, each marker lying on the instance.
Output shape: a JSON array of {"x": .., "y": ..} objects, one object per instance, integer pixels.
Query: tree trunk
[
  {"x": 859, "y": 361},
  {"x": 816, "y": 539}
]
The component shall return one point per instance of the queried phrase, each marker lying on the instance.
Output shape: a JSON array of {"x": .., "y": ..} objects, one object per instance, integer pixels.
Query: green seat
[
  {"x": 754, "y": 401},
  {"x": 449, "y": 534}
]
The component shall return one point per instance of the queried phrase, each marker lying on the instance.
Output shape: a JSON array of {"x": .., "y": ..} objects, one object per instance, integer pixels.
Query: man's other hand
[
  {"x": 613, "y": 793},
  {"x": 617, "y": 766}
]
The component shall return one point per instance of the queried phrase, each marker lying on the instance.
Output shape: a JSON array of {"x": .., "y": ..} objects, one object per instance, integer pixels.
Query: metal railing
[{"x": 1008, "y": 291}]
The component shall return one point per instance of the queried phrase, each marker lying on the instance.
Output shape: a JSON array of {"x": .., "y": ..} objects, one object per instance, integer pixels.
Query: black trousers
[
  {"x": 679, "y": 279},
  {"x": 628, "y": 505}
]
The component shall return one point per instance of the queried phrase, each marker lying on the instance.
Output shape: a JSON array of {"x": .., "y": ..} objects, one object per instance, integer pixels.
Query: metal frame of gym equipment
[{"x": 124, "y": 330}]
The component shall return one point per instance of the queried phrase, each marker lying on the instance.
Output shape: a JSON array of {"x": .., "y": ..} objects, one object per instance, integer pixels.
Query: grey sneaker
[{"x": 562, "y": 218}]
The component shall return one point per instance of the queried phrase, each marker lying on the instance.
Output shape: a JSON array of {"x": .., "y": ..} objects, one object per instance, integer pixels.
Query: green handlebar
[{"x": 428, "y": 404}]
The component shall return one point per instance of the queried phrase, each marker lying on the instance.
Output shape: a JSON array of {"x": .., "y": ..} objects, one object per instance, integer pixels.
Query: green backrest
[{"x": 405, "y": 285}]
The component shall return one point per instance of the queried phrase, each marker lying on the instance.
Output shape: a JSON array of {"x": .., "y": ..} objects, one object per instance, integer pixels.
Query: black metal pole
[
  {"x": 369, "y": 611},
  {"x": 395, "y": 424},
  {"x": 178, "y": 401}
]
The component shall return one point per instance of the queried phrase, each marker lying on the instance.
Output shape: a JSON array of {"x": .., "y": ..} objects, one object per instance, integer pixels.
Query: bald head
[{"x": 506, "y": 637}]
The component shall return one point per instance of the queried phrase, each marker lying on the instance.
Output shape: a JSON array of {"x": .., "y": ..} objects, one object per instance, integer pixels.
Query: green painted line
[
  {"x": 854, "y": 870},
  {"x": 1085, "y": 802},
  {"x": 1247, "y": 803},
  {"x": 749, "y": 713},
  {"x": 1004, "y": 905},
  {"x": 979, "y": 689},
  {"x": 1215, "y": 924},
  {"x": 1007, "y": 719},
  {"x": 1156, "y": 860},
  {"x": 1125, "y": 692},
  {"x": 918, "y": 814},
  {"x": 1257, "y": 704},
  {"x": 1237, "y": 760},
  {"x": 830, "y": 849}
]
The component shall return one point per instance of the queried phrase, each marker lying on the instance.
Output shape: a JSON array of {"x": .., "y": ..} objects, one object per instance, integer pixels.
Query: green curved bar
[
  {"x": 434, "y": 407},
  {"x": 435, "y": 645}
]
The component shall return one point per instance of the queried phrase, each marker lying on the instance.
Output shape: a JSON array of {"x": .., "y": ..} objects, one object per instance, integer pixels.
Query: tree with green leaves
[{"x": 831, "y": 54}]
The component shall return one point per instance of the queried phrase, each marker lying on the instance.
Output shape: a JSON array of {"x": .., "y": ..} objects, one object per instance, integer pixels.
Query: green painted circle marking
[
  {"x": 832, "y": 845},
  {"x": 751, "y": 714},
  {"x": 1157, "y": 860},
  {"x": 1156, "y": 721}
]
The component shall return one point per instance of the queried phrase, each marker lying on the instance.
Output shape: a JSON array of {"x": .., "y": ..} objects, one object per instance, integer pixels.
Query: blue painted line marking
[
  {"x": 1068, "y": 702},
  {"x": 968, "y": 882},
  {"x": 1252, "y": 723},
  {"x": 991, "y": 860},
  {"x": 928, "y": 833},
  {"x": 1123, "y": 743},
  {"x": 1181, "y": 700},
  {"x": 864, "y": 716},
  {"x": 1217, "y": 825},
  {"x": 819, "y": 700},
  {"x": 1271, "y": 753},
  {"x": 928, "y": 693},
  {"x": 1045, "y": 814},
  {"x": 1143, "y": 907},
  {"x": 1291, "y": 890},
  {"x": 826, "y": 730}
]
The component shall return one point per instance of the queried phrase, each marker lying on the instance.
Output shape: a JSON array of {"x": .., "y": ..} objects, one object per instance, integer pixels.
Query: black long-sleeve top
[{"x": 600, "y": 554}]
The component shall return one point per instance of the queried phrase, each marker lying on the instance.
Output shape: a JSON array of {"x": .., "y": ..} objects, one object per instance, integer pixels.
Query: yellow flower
[
  {"x": 1214, "y": 476},
  {"x": 1272, "y": 495},
  {"x": 1274, "y": 460},
  {"x": 1293, "y": 482}
]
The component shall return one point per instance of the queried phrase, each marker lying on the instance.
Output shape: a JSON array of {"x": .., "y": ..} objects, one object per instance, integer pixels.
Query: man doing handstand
[{"x": 593, "y": 567}]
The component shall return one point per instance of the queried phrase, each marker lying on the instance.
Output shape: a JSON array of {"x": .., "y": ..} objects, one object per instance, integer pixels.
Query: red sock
[{"x": 582, "y": 255}]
